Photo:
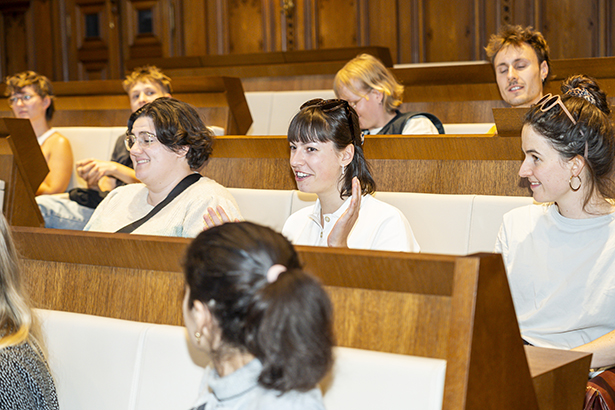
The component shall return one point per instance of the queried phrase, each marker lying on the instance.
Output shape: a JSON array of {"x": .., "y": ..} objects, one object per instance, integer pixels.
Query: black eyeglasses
[{"x": 333, "y": 105}]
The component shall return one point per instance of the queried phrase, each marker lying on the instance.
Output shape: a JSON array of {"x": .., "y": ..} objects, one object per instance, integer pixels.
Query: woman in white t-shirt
[
  {"x": 560, "y": 256},
  {"x": 326, "y": 156}
]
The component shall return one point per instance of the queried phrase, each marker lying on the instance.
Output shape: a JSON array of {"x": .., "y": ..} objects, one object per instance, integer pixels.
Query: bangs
[{"x": 309, "y": 126}]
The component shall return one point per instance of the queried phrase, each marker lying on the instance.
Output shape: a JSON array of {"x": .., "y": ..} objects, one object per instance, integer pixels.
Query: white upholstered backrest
[
  {"x": 92, "y": 359},
  {"x": 90, "y": 142},
  {"x": 102, "y": 363},
  {"x": 363, "y": 379},
  {"x": 487, "y": 213},
  {"x": 440, "y": 222},
  {"x": 265, "y": 207}
]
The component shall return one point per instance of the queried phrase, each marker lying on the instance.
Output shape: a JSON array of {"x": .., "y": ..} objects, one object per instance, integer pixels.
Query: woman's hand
[
  {"x": 339, "y": 234},
  {"x": 215, "y": 217}
]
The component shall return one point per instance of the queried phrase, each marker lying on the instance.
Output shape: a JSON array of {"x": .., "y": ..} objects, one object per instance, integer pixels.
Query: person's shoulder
[
  {"x": 526, "y": 217},
  {"x": 59, "y": 139},
  {"x": 292, "y": 400}
]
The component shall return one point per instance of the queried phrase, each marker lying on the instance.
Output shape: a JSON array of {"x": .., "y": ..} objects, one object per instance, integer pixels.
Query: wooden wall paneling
[
  {"x": 43, "y": 34},
  {"x": 449, "y": 31},
  {"x": 195, "y": 27},
  {"x": 246, "y": 26},
  {"x": 93, "y": 39},
  {"x": 381, "y": 24},
  {"x": 571, "y": 27},
  {"x": 336, "y": 24},
  {"x": 145, "y": 40},
  {"x": 15, "y": 42},
  {"x": 407, "y": 33}
]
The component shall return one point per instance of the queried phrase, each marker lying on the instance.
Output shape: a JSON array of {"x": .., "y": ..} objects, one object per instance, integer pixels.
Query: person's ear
[
  {"x": 544, "y": 70},
  {"x": 378, "y": 95},
  {"x": 182, "y": 151},
  {"x": 201, "y": 316},
  {"x": 46, "y": 101},
  {"x": 576, "y": 165},
  {"x": 347, "y": 154}
]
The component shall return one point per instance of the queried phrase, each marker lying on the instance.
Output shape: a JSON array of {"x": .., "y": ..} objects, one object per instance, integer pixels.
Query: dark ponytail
[
  {"x": 286, "y": 324},
  {"x": 289, "y": 325},
  {"x": 337, "y": 122}
]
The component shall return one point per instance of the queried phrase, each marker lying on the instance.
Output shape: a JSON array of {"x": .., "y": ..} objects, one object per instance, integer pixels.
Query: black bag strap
[{"x": 179, "y": 188}]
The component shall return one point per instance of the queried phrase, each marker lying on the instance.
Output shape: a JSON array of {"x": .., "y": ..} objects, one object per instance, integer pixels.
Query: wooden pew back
[
  {"x": 469, "y": 164},
  {"x": 219, "y": 100},
  {"x": 455, "y": 308}
]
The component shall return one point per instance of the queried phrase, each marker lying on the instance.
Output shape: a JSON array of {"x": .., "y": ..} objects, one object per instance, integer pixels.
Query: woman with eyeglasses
[
  {"x": 168, "y": 145},
  {"x": 31, "y": 97},
  {"x": 375, "y": 94},
  {"x": 326, "y": 156},
  {"x": 560, "y": 255},
  {"x": 265, "y": 324}
]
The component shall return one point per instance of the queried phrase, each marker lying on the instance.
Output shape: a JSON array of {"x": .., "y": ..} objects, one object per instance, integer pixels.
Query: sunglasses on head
[{"x": 333, "y": 105}]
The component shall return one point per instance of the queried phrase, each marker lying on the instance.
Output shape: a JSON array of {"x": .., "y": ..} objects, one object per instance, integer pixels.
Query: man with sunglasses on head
[
  {"x": 73, "y": 211},
  {"x": 31, "y": 96}
]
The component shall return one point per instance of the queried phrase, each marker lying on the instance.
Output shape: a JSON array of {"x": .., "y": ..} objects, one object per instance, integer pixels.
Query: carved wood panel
[{"x": 88, "y": 39}]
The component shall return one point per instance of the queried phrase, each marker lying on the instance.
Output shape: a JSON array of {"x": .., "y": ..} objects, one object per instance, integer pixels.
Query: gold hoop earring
[{"x": 570, "y": 183}]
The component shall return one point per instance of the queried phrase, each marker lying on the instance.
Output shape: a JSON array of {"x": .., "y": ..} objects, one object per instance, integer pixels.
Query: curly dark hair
[
  {"x": 178, "y": 125},
  {"x": 593, "y": 131}
]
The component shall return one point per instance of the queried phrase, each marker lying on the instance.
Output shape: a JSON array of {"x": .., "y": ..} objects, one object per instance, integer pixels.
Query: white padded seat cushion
[
  {"x": 92, "y": 358},
  {"x": 363, "y": 379}
]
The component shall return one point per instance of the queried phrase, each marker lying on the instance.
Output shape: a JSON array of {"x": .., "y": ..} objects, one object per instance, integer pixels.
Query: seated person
[
  {"x": 326, "y": 156},
  {"x": 25, "y": 378},
  {"x": 168, "y": 144},
  {"x": 520, "y": 58},
  {"x": 375, "y": 94},
  {"x": 265, "y": 324},
  {"x": 560, "y": 255},
  {"x": 31, "y": 96},
  {"x": 143, "y": 85}
]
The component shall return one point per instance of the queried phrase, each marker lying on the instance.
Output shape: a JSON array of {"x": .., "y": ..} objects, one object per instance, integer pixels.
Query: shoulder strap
[{"x": 179, "y": 188}]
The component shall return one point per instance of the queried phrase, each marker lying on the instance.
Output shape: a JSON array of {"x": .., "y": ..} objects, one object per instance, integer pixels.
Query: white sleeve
[{"x": 419, "y": 125}]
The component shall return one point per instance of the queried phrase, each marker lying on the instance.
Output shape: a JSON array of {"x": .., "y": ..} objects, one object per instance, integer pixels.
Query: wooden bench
[
  {"x": 436, "y": 306},
  {"x": 219, "y": 100},
  {"x": 268, "y": 71},
  {"x": 448, "y": 164}
]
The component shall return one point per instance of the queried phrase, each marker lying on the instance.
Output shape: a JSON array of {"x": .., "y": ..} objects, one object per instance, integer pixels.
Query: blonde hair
[
  {"x": 40, "y": 84},
  {"x": 370, "y": 73},
  {"x": 16, "y": 319},
  {"x": 147, "y": 73}
]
